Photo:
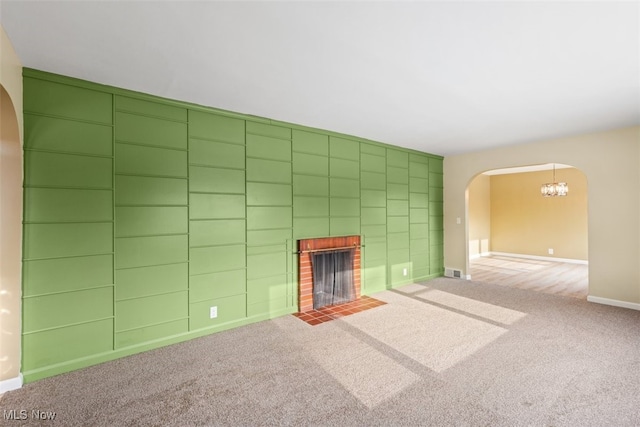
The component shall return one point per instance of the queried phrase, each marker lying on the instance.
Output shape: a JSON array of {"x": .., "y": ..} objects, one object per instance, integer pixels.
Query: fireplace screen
[{"x": 332, "y": 277}]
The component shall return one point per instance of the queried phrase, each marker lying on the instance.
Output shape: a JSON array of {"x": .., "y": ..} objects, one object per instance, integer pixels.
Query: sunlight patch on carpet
[
  {"x": 435, "y": 337},
  {"x": 482, "y": 309}
]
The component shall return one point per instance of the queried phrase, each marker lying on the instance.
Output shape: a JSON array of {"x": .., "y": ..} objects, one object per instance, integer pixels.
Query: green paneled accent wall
[{"x": 142, "y": 214}]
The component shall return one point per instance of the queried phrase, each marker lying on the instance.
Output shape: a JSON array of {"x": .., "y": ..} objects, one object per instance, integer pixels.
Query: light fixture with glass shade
[{"x": 554, "y": 189}]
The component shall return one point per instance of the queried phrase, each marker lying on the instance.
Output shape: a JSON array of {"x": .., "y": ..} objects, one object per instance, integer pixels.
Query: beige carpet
[{"x": 444, "y": 353}]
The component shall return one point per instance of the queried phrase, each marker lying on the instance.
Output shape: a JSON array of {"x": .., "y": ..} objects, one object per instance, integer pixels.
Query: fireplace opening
[{"x": 332, "y": 277}]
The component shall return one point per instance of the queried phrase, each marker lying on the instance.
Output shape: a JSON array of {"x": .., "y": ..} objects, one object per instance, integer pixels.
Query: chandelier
[{"x": 554, "y": 189}]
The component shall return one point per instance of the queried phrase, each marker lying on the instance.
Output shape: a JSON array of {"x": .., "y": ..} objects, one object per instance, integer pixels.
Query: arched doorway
[
  {"x": 521, "y": 239},
  {"x": 10, "y": 242}
]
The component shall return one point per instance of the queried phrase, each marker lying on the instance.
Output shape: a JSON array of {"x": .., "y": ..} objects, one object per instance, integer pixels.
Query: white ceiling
[{"x": 441, "y": 77}]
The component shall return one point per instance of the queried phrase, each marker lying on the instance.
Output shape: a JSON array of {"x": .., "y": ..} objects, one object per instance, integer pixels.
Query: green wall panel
[
  {"x": 373, "y": 149},
  {"x": 47, "y": 133},
  {"x": 217, "y": 285},
  {"x": 67, "y": 205},
  {"x": 67, "y": 170},
  {"x": 371, "y": 216},
  {"x": 376, "y": 250},
  {"x": 436, "y": 208},
  {"x": 372, "y": 163},
  {"x": 397, "y": 191},
  {"x": 55, "y": 99},
  {"x": 139, "y": 160},
  {"x": 262, "y": 194},
  {"x": 229, "y": 309},
  {"x": 397, "y": 158},
  {"x": 66, "y": 240},
  {"x": 147, "y": 281},
  {"x": 397, "y": 241},
  {"x": 344, "y": 148},
  {"x": 419, "y": 215},
  {"x": 148, "y": 221},
  {"x": 397, "y": 207},
  {"x": 374, "y": 230},
  {"x": 435, "y": 165},
  {"x": 216, "y": 258},
  {"x": 53, "y": 346},
  {"x": 216, "y": 127},
  {"x": 266, "y": 289},
  {"x": 344, "y": 207},
  {"x": 66, "y": 274},
  {"x": 216, "y": 206},
  {"x": 304, "y": 228},
  {"x": 214, "y": 180},
  {"x": 418, "y": 200},
  {"x": 419, "y": 231},
  {"x": 268, "y": 171},
  {"x": 148, "y": 251},
  {"x": 270, "y": 307},
  {"x": 373, "y": 198},
  {"x": 418, "y": 170},
  {"x": 138, "y": 106},
  {"x": 340, "y": 168},
  {"x": 311, "y": 164},
  {"x": 397, "y": 224},
  {"x": 310, "y": 142},
  {"x": 150, "y": 131},
  {"x": 141, "y": 191},
  {"x": 56, "y": 310},
  {"x": 217, "y": 232},
  {"x": 140, "y": 312},
  {"x": 261, "y": 218},
  {"x": 419, "y": 245},
  {"x": 310, "y": 185},
  {"x": 310, "y": 206},
  {"x": 339, "y": 187},
  {"x": 373, "y": 180},
  {"x": 266, "y": 147},
  {"x": 397, "y": 175},
  {"x": 436, "y": 180},
  {"x": 268, "y": 130},
  {"x": 150, "y": 333},
  {"x": 217, "y": 154},
  {"x": 268, "y": 237},
  {"x": 418, "y": 185},
  {"x": 344, "y": 226},
  {"x": 266, "y": 265}
]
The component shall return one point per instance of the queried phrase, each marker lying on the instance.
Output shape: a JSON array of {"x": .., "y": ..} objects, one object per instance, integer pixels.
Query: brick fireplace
[{"x": 305, "y": 272}]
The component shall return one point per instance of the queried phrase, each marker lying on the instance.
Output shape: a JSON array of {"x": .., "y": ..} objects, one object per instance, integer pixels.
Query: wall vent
[{"x": 450, "y": 272}]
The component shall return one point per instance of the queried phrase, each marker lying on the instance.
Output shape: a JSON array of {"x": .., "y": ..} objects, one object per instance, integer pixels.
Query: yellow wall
[
  {"x": 10, "y": 213},
  {"x": 524, "y": 222},
  {"x": 480, "y": 216},
  {"x": 611, "y": 162}
]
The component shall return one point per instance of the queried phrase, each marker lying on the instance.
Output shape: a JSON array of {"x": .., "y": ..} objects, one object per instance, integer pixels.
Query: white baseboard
[
  {"x": 614, "y": 302},
  {"x": 480, "y": 255},
  {"x": 541, "y": 258},
  {"x": 11, "y": 384}
]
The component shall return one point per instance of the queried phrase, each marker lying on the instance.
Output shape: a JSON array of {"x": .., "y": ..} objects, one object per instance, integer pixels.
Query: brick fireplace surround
[{"x": 305, "y": 272}]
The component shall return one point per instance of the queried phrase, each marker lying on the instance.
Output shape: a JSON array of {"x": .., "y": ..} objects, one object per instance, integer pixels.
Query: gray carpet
[{"x": 444, "y": 353}]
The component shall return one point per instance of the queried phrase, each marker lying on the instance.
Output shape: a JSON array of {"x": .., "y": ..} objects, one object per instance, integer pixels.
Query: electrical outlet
[
  {"x": 213, "y": 312},
  {"x": 550, "y": 251},
  {"x": 404, "y": 272}
]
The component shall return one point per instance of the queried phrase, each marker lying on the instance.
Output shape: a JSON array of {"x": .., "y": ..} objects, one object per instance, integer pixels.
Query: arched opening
[
  {"x": 519, "y": 238},
  {"x": 10, "y": 240}
]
